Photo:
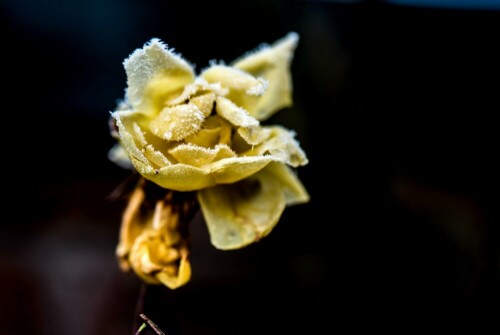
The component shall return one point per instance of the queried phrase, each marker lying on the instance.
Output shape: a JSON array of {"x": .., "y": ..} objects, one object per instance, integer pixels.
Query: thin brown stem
[{"x": 151, "y": 324}]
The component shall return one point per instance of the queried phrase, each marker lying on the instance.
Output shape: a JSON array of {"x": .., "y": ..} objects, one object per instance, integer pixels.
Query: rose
[{"x": 187, "y": 133}]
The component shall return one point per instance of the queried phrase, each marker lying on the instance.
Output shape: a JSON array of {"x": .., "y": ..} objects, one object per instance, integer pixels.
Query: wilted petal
[
  {"x": 234, "y": 114},
  {"x": 195, "y": 155},
  {"x": 282, "y": 146},
  {"x": 174, "y": 277},
  {"x": 177, "y": 122},
  {"x": 153, "y": 73},
  {"x": 273, "y": 64},
  {"x": 242, "y": 213},
  {"x": 235, "y": 79},
  {"x": 292, "y": 188},
  {"x": 133, "y": 224}
]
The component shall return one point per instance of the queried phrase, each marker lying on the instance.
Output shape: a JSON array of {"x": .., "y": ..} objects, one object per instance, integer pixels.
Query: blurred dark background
[{"x": 395, "y": 105}]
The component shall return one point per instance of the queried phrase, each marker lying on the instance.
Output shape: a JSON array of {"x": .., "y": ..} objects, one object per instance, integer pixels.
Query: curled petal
[
  {"x": 205, "y": 138},
  {"x": 254, "y": 135},
  {"x": 153, "y": 73},
  {"x": 234, "y": 114},
  {"x": 199, "y": 86},
  {"x": 123, "y": 122},
  {"x": 293, "y": 190},
  {"x": 282, "y": 146},
  {"x": 231, "y": 170},
  {"x": 273, "y": 64},
  {"x": 242, "y": 213},
  {"x": 197, "y": 156},
  {"x": 155, "y": 157},
  {"x": 235, "y": 79},
  {"x": 204, "y": 102},
  {"x": 177, "y": 122},
  {"x": 174, "y": 277},
  {"x": 184, "y": 177},
  {"x": 178, "y": 177}
]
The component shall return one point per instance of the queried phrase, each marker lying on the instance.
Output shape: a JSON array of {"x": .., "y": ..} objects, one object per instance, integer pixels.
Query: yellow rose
[{"x": 187, "y": 133}]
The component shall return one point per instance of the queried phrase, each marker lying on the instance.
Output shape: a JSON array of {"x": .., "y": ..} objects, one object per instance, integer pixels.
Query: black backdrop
[{"x": 395, "y": 106}]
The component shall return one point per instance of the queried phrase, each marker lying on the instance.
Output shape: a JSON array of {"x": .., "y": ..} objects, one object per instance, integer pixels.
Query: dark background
[{"x": 395, "y": 106}]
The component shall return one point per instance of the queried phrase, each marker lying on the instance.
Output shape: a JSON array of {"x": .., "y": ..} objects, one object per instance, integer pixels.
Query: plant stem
[{"x": 152, "y": 325}]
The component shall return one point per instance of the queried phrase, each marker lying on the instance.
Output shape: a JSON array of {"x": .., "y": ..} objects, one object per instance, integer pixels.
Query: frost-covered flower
[{"x": 187, "y": 133}]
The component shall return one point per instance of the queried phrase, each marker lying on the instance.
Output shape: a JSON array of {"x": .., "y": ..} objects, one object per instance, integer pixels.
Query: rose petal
[
  {"x": 254, "y": 135},
  {"x": 234, "y": 114},
  {"x": 235, "y": 79},
  {"x": 177, "y": 122},
  {"x": 153, "y": 73},
  {"x": 242, "y": 213},
  {"x": 292, "y": 188},
  {"x": 273, "y": 64},
  {"x": 282, "y": 146},
  {"x": 204, "y": 102},
  {"x": 195, "y": 155}
]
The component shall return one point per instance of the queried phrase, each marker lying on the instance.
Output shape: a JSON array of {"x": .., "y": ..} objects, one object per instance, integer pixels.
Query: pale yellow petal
[
  {"x": 205, "y": 138},
  {"x": 273, "y": 64},
  {"x": 254, "y": 135},
  {"x": 153, "y": 73},
  {"x": 127, "y": 138},
  {"x": 199, "y": 86},
  {"x": 177, "y": 122},
  {"x": 230, "y": 170},
  {"x": 155, "y": 157},
  {"x": 177, "y": 177},
  {"x": 195, "y": 155},
  {"x": 235, "y": 79},
  {"x": 242, "y": 213},
  {"x": 290, "y": 184},
  {"x": 234, "y": 114},
  {"x": 282, "y": 146},
  {"x": 204, "y": 102}
]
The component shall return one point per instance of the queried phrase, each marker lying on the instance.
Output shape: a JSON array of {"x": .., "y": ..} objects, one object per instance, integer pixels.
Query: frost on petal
[
  {"x": 205, "y": 103},
  {"x": 178, "y": 122},
  {"x": 231, "y": 170},
  {"x": 235, "y": 79},
  {"x": 254, "y": 135},
  {"x": 199, "y": 87},
  {"x": 282, "y": 146},
  {"x": 234, "y": 114},
  {"x": 177, "y": 177},
  {"x": 125, "y": 129},
  {"x": 153, "y": 73},
  {"x": 155, "y": 157},
  {"x": 273, "y": 64},
  {"x": 195, "y": 155},
  {"x": 242, "y": 213}
]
